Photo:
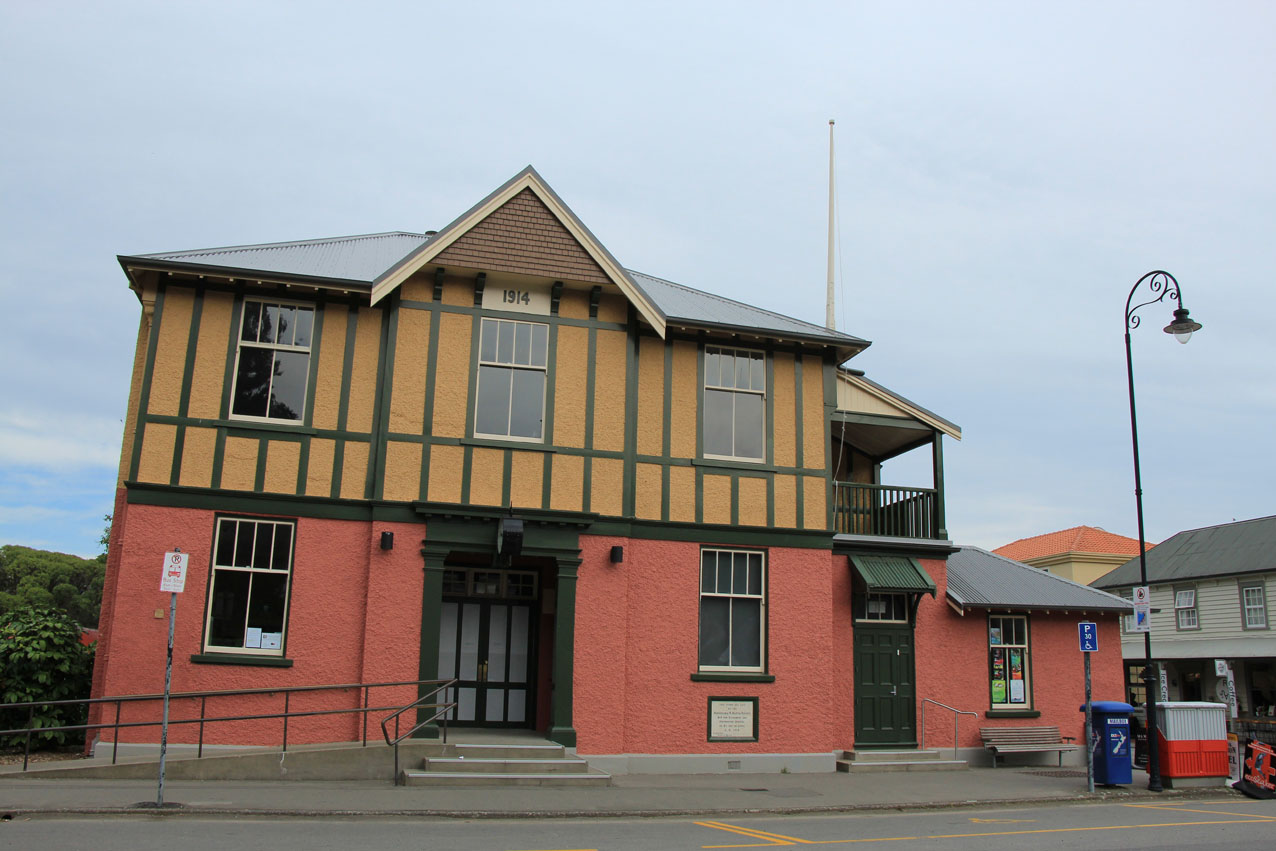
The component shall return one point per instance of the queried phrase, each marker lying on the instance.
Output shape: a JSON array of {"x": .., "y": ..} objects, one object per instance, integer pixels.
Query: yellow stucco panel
[
  {"x": 813, "y": 431},
  {"x": 574, "y": 304},
  {"x": 487, "y": 476},
  {"x": 283, "y": 459},
  {"x": 567, "y": 479},
  {"x": 527, "y": 476},
  {"x": 452, "y": 376},
  {"x": 570, "y": 384},
  {"x": 752, "y": 510},
  {"x": 239, "y": 463},
  {"x": 684, "y": 401},
  {"x": 363, "y": 374},
  {"x": 813, "y": 503},
  {"x": 784, "y": 407},
  {"x": 332, "y": 355},
  {"x": 648, "y": 492},
  {"x": 613, "y": 308},
  {"x": 210, "y": 357},
  {"x": 419, "y": 287},
  {"x": 134, "y": 395},
  {"x": 457, "y": 291},
  {"x": 407, "y": 397},
  {"x": 402, "y": 471},
  {"x": 198, "y": 449},
  {"x": 717, "y": 499},
  {"x": 682, "y": 494},
  {"x": 156, "y": 463},
  {"x": 354, "y": 470},
  {"x": 785, "y": 502},
  {"x": 606, "y": 486},
  {"x": 609, "y": 390},
  {"x": 651, "y": 396},
  {"x": 319, "y": 467},
  {"x": 170, "y": 352},
  {"x": 446, "y": 463}
]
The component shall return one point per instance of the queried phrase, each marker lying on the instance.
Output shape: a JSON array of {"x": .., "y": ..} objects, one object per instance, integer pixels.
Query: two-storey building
[{"x": 618, "y": 510}]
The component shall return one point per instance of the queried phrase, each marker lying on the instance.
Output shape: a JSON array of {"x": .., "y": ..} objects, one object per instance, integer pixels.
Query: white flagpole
[{"x": 829, "y": 320}]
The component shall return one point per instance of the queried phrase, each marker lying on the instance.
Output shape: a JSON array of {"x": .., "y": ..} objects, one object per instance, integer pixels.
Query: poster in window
[
  {"x": 1017, "y": 694},
  {"x": 998, "y": 675}
]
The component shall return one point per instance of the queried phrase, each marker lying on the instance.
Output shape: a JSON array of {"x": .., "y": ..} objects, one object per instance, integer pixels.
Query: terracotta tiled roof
[{"x": 1078, "y": 539}]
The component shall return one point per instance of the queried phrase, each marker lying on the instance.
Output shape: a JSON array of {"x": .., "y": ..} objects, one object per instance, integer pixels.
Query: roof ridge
[
  {"x": 1222, "y": 525},
  {"x": 262, "y": 246}
]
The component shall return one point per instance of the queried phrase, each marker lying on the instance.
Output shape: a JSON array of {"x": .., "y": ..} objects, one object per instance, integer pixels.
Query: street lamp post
[{"x": 1164, "y": 286}]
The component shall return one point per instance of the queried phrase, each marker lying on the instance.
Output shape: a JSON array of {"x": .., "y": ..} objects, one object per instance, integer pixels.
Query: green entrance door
[{"x": 885, "y": 712}]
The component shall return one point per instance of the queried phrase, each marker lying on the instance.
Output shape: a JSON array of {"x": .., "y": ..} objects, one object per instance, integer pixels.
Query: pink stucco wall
[{"x": 354, "y": 616}]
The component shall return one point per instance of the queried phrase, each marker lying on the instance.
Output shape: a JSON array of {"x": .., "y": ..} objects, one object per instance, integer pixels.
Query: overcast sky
[{"x": 1006, "y": 172}]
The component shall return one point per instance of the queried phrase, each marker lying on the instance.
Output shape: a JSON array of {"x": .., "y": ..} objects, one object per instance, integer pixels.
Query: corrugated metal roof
[
  {"x": 1248, "y": 546},
  {"x": 893, "y": 573},
  {"x": 348, "y": 258},
  {"x": 979, "y": 579}
]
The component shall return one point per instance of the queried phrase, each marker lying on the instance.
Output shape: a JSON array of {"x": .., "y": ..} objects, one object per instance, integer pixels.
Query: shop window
[
  {"x": 732, "y": 610},
  {"x": 248, "y": 594},
  {"x": 1185, "y": 609},
  {"x": 510, "y": 400},
  {"x": 1253, "y": 606},
  {"x": 272, "y": 364},
  {"x": 1008, "y": 659},
  {"x": 734, "y": 404}
]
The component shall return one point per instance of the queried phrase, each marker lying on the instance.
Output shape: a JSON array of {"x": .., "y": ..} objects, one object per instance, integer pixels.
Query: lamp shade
[{"x": 1182, "y": 327}]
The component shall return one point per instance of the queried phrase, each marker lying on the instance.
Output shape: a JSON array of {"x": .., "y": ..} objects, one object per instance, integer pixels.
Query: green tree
[
  {"x": 41, "y": 658},
  {"x": 40, "y": 579}
]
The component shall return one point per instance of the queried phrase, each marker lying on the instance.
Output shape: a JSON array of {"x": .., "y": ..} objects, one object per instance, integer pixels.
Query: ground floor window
[
  {"x": 248, "y": 594},
  {"x": 1008, "y": 660},
  {"x": 732, "y": 610}
]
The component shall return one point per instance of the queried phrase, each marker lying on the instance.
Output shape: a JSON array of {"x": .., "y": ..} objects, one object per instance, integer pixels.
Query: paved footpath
[{"x": 629, "y": 795}]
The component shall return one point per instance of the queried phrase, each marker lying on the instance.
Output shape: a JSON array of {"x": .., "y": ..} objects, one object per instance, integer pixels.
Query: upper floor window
[
  {"x": 1185, "y": 609},
  {"x": 1254, "y": 606},
  {"x": 248, "y": 595},
  {"x": 1008, "y": 657},
  {"x": 732, "y": 610},
  {"x": 734, "y": 404},
  {"x": 272, "y": 368},
  {"x": 1127, "y": 621},
  {"x": 510, "y": 400}
]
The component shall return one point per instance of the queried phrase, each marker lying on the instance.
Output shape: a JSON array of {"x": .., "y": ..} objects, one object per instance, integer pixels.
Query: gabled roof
[
  {"x": 897, "y": 404},
  {"x": 978, "y": 579},
  {"x": 1078, "y": 539},
  {"x": 524, "y": 181},
  {"x": 1248, "y": 546}
]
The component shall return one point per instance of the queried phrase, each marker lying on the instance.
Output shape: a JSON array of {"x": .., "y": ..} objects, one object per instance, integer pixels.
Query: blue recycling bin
[{"x": 1112, "y": 742}]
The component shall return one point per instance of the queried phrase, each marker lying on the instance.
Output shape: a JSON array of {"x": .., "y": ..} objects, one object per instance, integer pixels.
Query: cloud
[{"x": 57, "y": 441}]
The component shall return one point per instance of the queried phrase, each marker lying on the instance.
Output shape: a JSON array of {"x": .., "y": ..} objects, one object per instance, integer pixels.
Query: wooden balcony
[{"x": 887, "y": 511}]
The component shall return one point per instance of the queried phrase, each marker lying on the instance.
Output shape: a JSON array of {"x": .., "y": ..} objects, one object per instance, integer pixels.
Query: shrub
[{"x": 41, "y": 658}]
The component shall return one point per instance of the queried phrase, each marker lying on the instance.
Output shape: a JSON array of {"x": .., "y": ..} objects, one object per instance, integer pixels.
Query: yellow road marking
[
  {"x": 1003, "y": 820},
  {"x": 752, "y": 833},
  {"x": 1185, "y": 809}
]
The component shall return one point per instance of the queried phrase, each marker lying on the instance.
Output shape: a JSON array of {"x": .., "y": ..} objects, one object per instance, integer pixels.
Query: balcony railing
[{"x": 885, "y": 510}]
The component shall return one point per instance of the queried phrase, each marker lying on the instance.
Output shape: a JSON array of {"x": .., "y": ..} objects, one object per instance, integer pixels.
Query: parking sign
[
  {"x": 1088, "y": 634},
  {"x": 173, "y": 579}
]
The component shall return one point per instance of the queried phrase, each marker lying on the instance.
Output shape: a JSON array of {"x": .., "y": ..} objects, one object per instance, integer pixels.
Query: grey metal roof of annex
[
  {"x": 983, "y": 580},
  {"x": 1246, "y": 546}
]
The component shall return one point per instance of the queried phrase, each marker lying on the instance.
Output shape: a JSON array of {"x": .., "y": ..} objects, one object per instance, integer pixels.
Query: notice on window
[
  {"x": 252, "y": 637},
  {"x": 272, "y": 640},
  {"x": 733, "y": 719}
]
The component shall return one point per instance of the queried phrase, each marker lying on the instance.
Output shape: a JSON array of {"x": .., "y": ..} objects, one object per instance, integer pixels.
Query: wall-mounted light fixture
[
  {"x": 617, "y": 555},
  {"x": 387, "y": 540}
]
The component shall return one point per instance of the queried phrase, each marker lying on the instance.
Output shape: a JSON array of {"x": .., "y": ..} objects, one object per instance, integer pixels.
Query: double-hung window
[
  {"x": 1253, "y": 606},
  {"x": 248, "y": 595},
  {"x": 732, "y": 610},
  {"x": 734, "y": 404},
  {"x": 272, "y": 366},
  {"x": 1009, "y": 661},
  {"x": 1185, "y": 609},
  {"x": 510, "y": 400}
]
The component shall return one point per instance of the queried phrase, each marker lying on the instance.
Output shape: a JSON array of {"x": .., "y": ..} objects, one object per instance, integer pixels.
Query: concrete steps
[
  {"x": 503, "y": 765},
  {"x": 872, "y": 761}
]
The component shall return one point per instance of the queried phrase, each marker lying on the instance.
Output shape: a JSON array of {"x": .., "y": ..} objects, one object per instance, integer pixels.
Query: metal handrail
[
  {"x": 203, "y": 718},
  {"x": 441, "y": 711},
  {"x": 957, "y": 713}
]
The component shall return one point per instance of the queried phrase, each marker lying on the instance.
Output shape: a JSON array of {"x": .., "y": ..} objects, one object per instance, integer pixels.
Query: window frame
[
  {"x": 1127, "y": 620},
  {"x": 240, "y": 344},
  {"x": 1025, "y": 649},
  {"x": 707, "y": 387},
  {"x": 512, "y": 368},
  {"x": 761, "y": 597},
  {"x": 206, "y": 644},
  {"x": 1182, "y": 612},
  {"x": 1261, "y": 587}
]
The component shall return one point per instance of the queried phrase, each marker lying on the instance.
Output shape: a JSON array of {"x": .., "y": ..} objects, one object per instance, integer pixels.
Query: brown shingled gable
[
  {"x": 1078, "y": 539},
  {"x": 524, "y": 237}
]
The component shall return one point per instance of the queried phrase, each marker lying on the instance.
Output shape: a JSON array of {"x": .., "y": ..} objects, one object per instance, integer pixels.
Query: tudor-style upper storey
[{"x": 508, "y": 360}]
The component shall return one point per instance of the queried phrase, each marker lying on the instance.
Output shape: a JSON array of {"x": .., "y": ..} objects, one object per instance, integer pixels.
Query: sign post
[
  {"x": 1088, "y": 637},
  {"x": 172, "y": 580},
  {"x": 1142, "y": 609}
]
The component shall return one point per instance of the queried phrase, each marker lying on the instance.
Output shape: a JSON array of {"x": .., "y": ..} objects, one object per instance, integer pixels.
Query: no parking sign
[{"x": 173, "y": 579}]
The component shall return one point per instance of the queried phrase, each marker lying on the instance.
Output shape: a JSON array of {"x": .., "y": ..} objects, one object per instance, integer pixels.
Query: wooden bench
[{"x": 1008, "y": 740}]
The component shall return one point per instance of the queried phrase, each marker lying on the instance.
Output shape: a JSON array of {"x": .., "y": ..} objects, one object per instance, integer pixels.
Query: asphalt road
[{"x": 1225, "y": 823}]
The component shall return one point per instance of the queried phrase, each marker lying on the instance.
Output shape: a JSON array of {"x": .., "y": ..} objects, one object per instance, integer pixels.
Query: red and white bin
[{"x": 1192, "y": 739}]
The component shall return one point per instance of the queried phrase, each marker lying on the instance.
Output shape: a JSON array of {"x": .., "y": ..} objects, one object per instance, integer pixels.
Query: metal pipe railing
[
  {"x": 441, "y": 712},
  {"x": 957, "y": 713}
]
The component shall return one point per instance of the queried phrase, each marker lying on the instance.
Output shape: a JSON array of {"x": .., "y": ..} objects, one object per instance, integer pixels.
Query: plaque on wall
[{"x": 733, "y": 719}]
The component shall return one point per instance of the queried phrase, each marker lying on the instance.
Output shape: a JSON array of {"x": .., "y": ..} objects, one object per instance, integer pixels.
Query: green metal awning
[{"x": 893, "y": 573}]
